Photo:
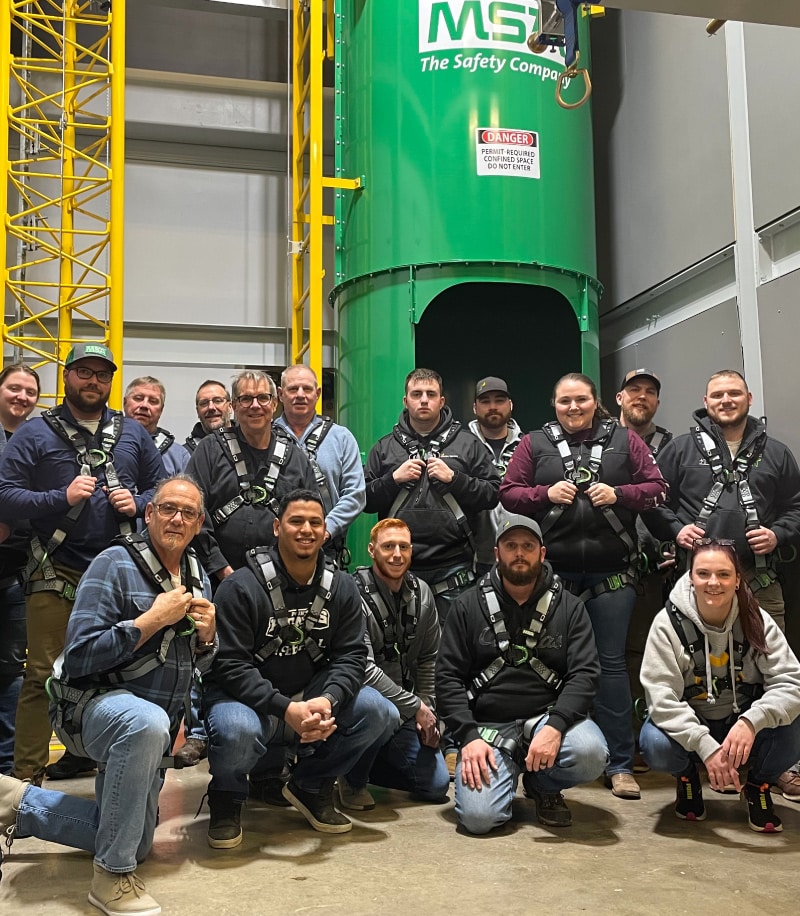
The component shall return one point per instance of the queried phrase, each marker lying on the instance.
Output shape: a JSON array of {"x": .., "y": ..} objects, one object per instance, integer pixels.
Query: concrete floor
[{"x": 619, "y": 857}]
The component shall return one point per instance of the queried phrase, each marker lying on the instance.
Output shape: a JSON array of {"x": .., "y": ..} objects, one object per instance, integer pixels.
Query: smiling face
[
  {"x": 170, "y": 530},
  {"x": 727, "y": 400},
  {"x": 575, "y": 405},
  {"x": 638, "y": 402},
  {"x": 87, "y": 397},
  {"x": 18, "y": 395},
  {"x": 299, "y": 395},
  {"x": 390, "y": 550},
  {"x": 253, "y": 418},
  {"x": 213, "y": 407},
  {"x": 715, "y": 580},
  {"x": 300, "y": 530}
]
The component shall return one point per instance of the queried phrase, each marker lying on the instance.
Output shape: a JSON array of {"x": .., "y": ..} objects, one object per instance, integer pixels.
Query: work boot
[
  {"x": 353, "y": 798},
  {"x": 269, "y": 790},
  {"x": 121, "y": 894},
  {"x": 788, "y": 784},
  {"x": 192, "y": 752},
  {"x": 761, "y": 815},
  {"x": 69, "y": 766},
  {"x": 623, "y": 785},
  {"x": 451, "y": 761},
  {"x": 224, "y": 828},
  {"x": 689, "y": 805},
  {"x": 317, "y": 807},
  {"x": 551, "y": 809}
]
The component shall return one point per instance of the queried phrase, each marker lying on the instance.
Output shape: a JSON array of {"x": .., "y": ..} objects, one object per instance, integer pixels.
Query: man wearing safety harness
[
  {"x": 144, "y": 402},
  {"x": 436, "y": 477},
  {"x": 729, "y": 479},
  {"x": 81, "y": 474},
  {"x": 243, "y": 471},
  {"x": 213, "y": 405},
  {"x": 516, "y": 675},
  {"x": 289, "y": 675},
  {"x": 142, "y": 622},
  {"x": 332, "y": 452}
]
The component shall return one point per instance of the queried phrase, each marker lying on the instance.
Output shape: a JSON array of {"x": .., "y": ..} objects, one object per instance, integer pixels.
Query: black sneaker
[
  {"x": 689, "y": 805},
  {"x": 760, "y": 814},
  {"x": 551, "y": 809},
  {"x": 69, "y": 766},
  {"x": 317, "y": 808},
  {"x": 269, "y": 790},
  {"x": 224, "y": 828}
]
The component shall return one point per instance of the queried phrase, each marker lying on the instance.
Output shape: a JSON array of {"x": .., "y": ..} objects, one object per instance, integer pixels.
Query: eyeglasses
[
  {"x": 207, "y": 402},
  {"x": 104, "y": 376},
  {"x": 246, "y": 400},
  {"x": 170, "y": 510},
  {"x": 712, "y": 542}
]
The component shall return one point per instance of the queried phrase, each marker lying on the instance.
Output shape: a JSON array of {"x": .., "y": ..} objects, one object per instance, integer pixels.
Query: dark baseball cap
[
  {"x": 646, "y": 373},
  {"x": 519, "y": 521},
  {"x": 490, "y": 383},
  {"x": 90, "y": 351}
]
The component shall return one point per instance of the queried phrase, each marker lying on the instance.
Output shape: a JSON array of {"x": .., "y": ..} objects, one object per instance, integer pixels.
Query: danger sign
[{"x": 503, "y": 151}]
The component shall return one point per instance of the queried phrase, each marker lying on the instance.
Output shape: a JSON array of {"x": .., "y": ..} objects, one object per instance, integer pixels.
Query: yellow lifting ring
[{"x": 572, "y": 73}]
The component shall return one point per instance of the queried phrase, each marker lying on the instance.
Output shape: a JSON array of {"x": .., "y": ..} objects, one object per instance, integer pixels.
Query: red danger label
[{"x": 508, "y": 137}]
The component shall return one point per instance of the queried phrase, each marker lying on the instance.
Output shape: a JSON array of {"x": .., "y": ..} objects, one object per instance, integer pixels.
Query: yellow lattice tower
[
  {"x": 313, "y": 27},
  {"x": 62, "y": 105}
]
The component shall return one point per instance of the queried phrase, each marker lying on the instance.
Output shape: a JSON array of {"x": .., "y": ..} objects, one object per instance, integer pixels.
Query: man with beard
[
  {"x": 516, "y": 675},
  {"x": 82, "y": 474},
  {"x": 500, "y": 434},
  {"x": 638, "y": 400},
  {"x": 213, "y": 406},
  {"x": 436, "y": 477},
  {"x": 144, "y": 402}
]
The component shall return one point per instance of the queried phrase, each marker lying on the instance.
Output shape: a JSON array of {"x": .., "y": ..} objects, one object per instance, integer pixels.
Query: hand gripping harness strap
[
  {"x": 583, "y": 477},
  {"x": 736, "y": 475},
  {"x": 394, "y": 647},
  {"x": 311, "y": 445},
  {"x": 72, "y": 701},
  {"x": 434, "y": 451},
  {"x": 248, "y": 491},
  {"x": 260, "y": 561},
  {"x": 91, "y": 454},
  {"x": 163, "y": 440},
  {"x": 512, "y": 654},
  {"x": 694, "y": 643}
]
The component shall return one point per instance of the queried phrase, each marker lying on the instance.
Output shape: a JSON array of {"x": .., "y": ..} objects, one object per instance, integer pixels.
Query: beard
[
  {"x": 638, "y": 416},
  {"x": 519, "y": 574}
]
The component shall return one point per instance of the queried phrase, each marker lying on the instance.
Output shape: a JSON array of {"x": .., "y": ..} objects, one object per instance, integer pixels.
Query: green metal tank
[{"x": 471, "y": 247}]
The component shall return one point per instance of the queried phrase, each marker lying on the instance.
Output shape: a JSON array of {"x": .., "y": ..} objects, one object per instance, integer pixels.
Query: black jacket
[
  {"x": 774, "y": 483},
  {"x": 250, "y": 525},
  {"x": 438, "y": 540},
  {"x": 245, "y": 619},
  {"x": 468, "y": 646}
]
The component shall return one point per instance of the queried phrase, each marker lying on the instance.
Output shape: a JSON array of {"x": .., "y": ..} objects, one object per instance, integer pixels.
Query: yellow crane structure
[{"x": 62, "y": 106}]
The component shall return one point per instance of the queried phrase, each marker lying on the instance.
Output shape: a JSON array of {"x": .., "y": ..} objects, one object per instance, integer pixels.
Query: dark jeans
[{"x": 13, "y": 642}]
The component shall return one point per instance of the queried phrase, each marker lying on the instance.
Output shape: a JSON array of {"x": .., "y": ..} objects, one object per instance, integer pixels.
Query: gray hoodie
[{"x": 667, "y": 669}]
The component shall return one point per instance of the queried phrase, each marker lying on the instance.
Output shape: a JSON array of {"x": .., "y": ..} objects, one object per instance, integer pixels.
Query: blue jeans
[
  {"x": 610, "y": 614},
  {"x": 239, "y": 738},
  {"x": 404, "y": 763},
  {"x": 13, "y": 642},
  {"x": 774, "y": 749},
  {"x": 128, "y": 737},
  {"x": 581, "y": 758},
  {"x": 194, "y": 726}
]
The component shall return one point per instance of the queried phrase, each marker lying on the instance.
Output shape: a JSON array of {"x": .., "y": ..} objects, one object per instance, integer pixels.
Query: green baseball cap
[{"x": 90, "y": 350}]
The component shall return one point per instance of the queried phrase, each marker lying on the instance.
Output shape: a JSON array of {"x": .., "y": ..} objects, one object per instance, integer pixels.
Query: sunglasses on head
[{"x": 712, "y": 542}]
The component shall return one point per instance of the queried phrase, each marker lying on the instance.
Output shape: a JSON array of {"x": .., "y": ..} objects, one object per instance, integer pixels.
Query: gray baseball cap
[{"x": 519, "y": 521}]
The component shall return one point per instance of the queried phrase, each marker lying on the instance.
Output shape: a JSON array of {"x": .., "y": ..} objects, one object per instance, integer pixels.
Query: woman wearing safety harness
[
  {"x": 722, "y": 687},
  {"x": 584, "y": 478}
]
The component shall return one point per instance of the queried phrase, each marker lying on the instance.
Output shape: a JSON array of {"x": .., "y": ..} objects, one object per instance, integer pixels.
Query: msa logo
[{"x": 446, "y": 24}]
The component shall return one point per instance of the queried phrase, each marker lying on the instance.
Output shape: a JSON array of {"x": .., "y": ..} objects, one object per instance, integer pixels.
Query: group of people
[{"x": 207, "y": 582}]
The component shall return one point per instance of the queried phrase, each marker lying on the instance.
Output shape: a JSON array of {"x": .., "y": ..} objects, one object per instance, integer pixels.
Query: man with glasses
[
  {"x": 244, "y": 470},
  {"x": 213, "y": 405},
  {"x": 81, "y": 474}
]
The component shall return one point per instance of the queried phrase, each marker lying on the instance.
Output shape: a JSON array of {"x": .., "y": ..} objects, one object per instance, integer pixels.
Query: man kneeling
[{"x": 516, "y": 675}]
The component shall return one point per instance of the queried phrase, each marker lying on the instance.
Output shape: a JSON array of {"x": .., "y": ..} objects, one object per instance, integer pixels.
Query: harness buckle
[
  {"x": 519, "y": 654},
  {"x": 258, "y": 495},
  {"x": 615, "y": 582},
  {"x": 489, "y": 735},
  {"x": 69, "y": 591},
  {"x": 762, "y": 579}
]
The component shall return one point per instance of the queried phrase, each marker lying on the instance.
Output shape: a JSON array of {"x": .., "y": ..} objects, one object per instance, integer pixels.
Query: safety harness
[
  {"x": 192, "y": 442},
  {"x": 93, "y": 453},
  {"x": 262, "y": 494},
  {"x": 726, "y": 477},
  {"x": 434, "y": 451},
  {"x": 659, "y": 439},
  {"x": 162, "y": 440},
  {"x": 730, "y": 669},
  {"x": 289, "y": 634},
  {"x": 558, "y": 28},
  {"x": 583, "y": 477},
  {"x": 71, "y": 702},
  {"x": 311, "y": 445},
  {"x": 511, "y": 654},
  {"x": 395, "y": 646}
]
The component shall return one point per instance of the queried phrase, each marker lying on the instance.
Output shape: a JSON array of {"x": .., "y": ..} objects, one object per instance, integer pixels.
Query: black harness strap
[
  {"x": 255, "y": 494},
  {"x": 289, "y": 634},
  {"x": 311, "y": 445},
  {"x": 659, "y": 439},
  {"x": 162, "y": 440},
  {"x": 511, "y": 654},
  {"x": 394, "y": 646}
]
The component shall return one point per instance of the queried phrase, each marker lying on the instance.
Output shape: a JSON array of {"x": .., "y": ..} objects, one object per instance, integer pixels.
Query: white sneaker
[{"x": 121, "y": 895}]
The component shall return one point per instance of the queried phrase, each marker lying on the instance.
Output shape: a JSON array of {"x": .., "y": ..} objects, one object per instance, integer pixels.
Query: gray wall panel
[
  {"x": 661, "y": 116},
  {"x": 683, "y": 356},
  {"x": 773, "y": 73}
]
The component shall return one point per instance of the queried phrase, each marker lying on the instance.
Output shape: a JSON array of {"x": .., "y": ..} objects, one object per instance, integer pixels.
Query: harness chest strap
[
  {"x": 494, "y": 612},
  {"x": 311, "y": 445},
  {"x": 163, "y": 440},
  {"x": 392, "y": 645},
  {"x": 271, "y": 581},
  {"x": 249, "y": 492},
  {"x": 660, "y": 438}
]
